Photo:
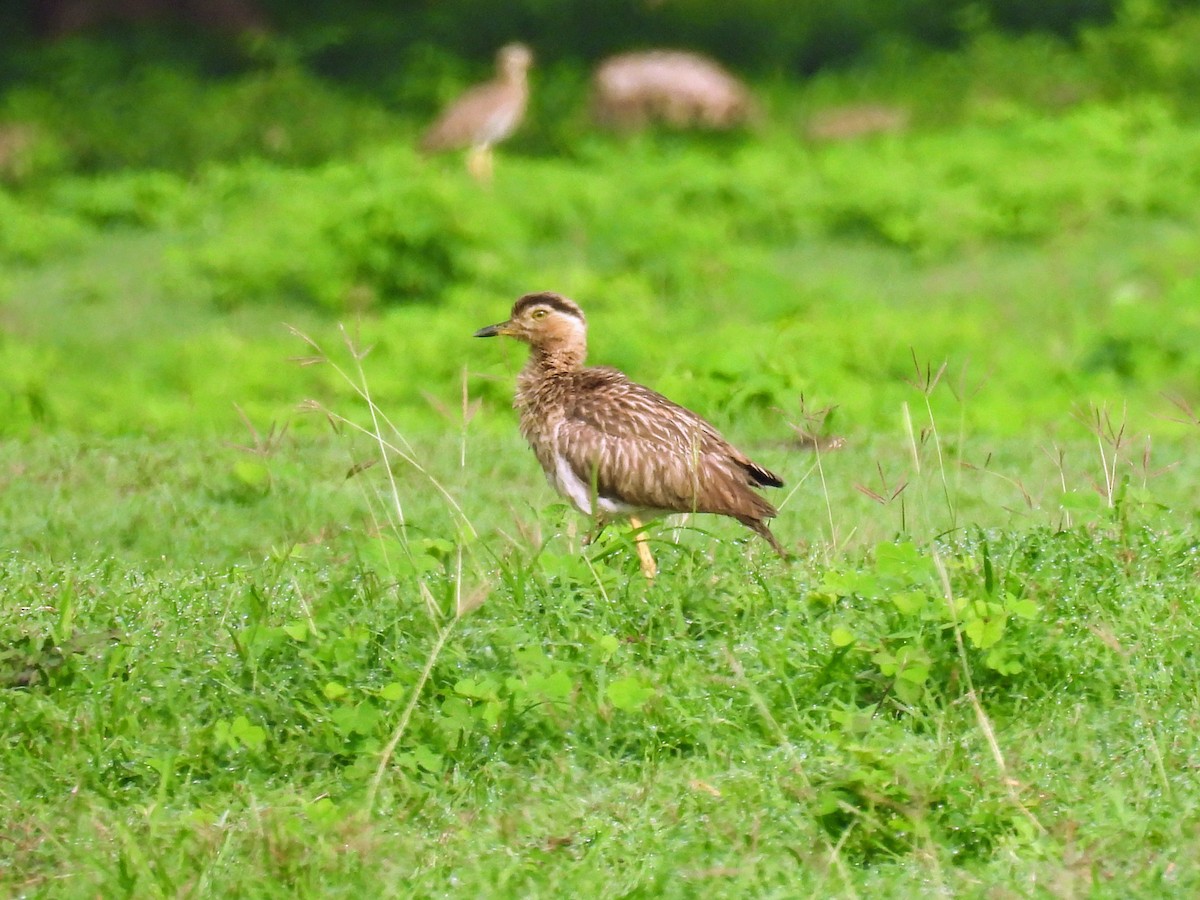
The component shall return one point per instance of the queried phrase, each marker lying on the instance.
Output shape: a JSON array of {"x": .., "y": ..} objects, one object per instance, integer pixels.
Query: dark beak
[{"x": 491, "y": 330}]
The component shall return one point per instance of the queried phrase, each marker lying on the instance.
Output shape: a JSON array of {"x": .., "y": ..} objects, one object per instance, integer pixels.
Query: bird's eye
[{"x": 539, "y": 313}]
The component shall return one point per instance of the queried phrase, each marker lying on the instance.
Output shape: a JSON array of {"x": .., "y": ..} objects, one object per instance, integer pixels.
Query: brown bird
[
  {"x": 675, "y": 87},
  {"x": 486, "y": 114},
  {"x": 614, "y": 448}
]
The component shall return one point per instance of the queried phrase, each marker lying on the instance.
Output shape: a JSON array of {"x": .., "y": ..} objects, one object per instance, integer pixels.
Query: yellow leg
[
  {"x": 479, "y": 164},
  {"x": 649, "y": 567}
]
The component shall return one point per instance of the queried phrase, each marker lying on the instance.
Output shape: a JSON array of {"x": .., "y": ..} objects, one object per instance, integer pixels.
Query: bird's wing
[
  {"x": 483, "y": 114},
  {"x": 642, "y": 449}
]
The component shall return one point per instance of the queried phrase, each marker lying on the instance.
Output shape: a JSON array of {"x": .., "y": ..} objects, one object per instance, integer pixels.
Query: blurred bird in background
[
  {"x": 671, "y": 87},
  {"x": 485, "y": 114}
]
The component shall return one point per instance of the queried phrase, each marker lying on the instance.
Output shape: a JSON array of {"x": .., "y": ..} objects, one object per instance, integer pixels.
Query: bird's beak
[{"x": 493, "y": 330}]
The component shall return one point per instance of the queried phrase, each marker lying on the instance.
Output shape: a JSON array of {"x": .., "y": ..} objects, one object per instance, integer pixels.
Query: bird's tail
[{"x": 759, "y": 527}]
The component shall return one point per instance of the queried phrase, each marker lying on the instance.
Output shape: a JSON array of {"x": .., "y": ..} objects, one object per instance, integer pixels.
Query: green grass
[{"x": 243, "y": 652}]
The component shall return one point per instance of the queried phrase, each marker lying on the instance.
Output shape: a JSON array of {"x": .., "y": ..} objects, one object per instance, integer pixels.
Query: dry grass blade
[
  {"x": 396, "y": 445},
  {"x": 360, "y": 467},
  {"x": 462, "y": 607},
  {"x": 926, "y": 379},
  {"x": 260, "y": 445},
  {"x": 292, "y": 329},
  {"x": 1007, "y": 479},
  {"x": 1190, "y": 416}
]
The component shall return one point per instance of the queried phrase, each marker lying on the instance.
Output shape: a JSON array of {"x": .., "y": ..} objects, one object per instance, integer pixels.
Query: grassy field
[{"x": 289, "y": 610}]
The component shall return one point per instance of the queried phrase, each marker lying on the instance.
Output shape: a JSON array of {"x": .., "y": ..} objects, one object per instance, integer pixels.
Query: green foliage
[
  {"x": 29, "y": 235},
  {"x": 90, "y": 116},
  {"x": 241, "y": 653},
  {"x": 394, "y": 229},
  {"x": 897, "y": 615},
  {"x": 345, "y": 237},
  {"x": 149, "y": 99},
  {"x": 146, "y": 199},
  {"x": 760, "y": 36},
  {"x": 942, "y": 192},
  {"x": 286, "y": 677},
  {"x": 1147, "y": 48},
  {"x": 1131, "y": 347}
]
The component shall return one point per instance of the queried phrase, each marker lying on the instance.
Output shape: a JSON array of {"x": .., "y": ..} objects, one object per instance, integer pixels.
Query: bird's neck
[{"x": 555, "y": 360}]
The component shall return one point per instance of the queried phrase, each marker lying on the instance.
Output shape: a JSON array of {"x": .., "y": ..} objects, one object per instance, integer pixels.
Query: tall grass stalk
[
  {"x": 926, "y": 383},
  {"x": 1111, "y": 441},
  {"x": 810, "y": 433},
  {"x": 395, "y": 445},
  {"x": 391, "y": 444},
  {"x": 462, "y": 606},
  {"x": 981, "y": 716}
]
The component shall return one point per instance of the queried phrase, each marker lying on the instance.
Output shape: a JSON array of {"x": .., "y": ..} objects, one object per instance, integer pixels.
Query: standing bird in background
[
  {"x": 616, "y": 449},
  {"x": 486, "y": 114}
]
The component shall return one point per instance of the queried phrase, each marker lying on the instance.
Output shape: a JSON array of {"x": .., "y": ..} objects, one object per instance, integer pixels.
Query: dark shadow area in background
[{"x": 359, "y": 43}]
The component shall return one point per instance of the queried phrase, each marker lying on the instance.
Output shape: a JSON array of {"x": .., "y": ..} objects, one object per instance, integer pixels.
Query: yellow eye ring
[{"x": 539, "y": 314}]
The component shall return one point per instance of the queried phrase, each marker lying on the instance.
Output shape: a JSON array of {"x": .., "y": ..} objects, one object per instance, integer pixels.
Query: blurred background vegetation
[
  {"x": 93, "y": 85},
  {"x": 165, "y": 163}
]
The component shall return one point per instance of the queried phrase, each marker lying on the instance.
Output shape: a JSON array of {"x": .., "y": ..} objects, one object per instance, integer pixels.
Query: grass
[
  {"x": 207, "y": 724},
  {"x": 262, "y": 637}
]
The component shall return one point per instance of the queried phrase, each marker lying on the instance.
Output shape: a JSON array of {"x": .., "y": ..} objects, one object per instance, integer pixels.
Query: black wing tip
[{"x": 764, "y": 477}]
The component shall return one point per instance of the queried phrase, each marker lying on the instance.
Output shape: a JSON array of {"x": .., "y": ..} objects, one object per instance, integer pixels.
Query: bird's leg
[
  {"x": 649, "y": 567},
  {"x": 479, "y": 164},
  {"x": 592, "y": 536}
]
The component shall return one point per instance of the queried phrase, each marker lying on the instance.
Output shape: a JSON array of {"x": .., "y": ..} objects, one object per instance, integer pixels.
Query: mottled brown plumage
[
  {"x": 487, "y": 113},
  {"x": 613, "y": 447},
  {"x": 677, "y": 88}
]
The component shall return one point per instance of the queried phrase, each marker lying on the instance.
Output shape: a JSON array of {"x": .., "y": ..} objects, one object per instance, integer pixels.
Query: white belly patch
[
  {"x": 571, "y": 486},
  {"x": 579, "y": 492}
]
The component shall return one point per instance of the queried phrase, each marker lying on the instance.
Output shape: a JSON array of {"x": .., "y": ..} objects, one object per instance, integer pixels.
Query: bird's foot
[{"x": 592, "y": 536}]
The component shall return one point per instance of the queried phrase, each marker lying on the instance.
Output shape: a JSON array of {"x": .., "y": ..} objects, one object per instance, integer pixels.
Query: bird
[
  {"x": 486, "y": 113},
  {"x": 614, "y": 448},
  {"x": 675, "y": 87}
]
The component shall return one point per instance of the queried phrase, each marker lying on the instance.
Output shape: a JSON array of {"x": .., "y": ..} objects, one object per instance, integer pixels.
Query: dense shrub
[
  {"x": 344, "y": 236},
  {"x": 138, "y": 198},
  {"x": 937, "y": 192},
  {"x": 1147, "y": 49},
  {"x": 163, "y": 116},
  {"x": 689, "y": 221},
  {"x": 29, "y": 234}
]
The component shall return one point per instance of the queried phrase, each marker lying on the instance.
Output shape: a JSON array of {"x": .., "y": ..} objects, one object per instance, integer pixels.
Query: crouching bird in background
[
  {"x": 614, "y": 448},
  {"x": 486, "y": 114}
]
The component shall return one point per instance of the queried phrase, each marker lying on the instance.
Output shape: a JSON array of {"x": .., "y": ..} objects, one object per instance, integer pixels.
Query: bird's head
[
  {"x": 549, "y": 323},
  {"x": 513, "y": 61}
]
